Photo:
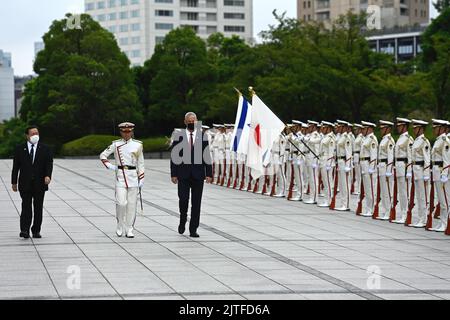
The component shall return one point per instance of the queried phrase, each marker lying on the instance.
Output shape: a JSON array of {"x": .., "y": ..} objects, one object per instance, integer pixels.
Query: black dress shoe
[
  {"x": 194, "y": 235},
  {"x": 37, "y": 235},
  {"x": 24, "y": 235},
  {"x": 181, "y": 228}
]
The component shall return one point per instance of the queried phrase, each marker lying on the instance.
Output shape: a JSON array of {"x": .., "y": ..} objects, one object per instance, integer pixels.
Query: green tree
[
  {"x": 179, "y": 78},
  {"x": 441, "y": 5},
  {"x": 84, "y": 85}
]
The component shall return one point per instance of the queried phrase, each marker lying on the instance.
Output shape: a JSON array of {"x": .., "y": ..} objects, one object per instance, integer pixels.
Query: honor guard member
[
  {"x": 344, "y": 153},
  {"x": 304, "y": 149},
  {"x": 297, "y": 160},
  {"x": 129, "y": 169},
  {"x": 214, "y": 151},
  {"x": 313, "y": 140},
  {"x": 352, "y": 139},
  {"x": 356, "y": 155},
  {"x": 369, "y": 156},
  {"x": 290, "y": 136},
  {"x": 219, "y": 150},
  {"x": 228, "y": 155},
  {"x": 386, "y": 168},
  {"x": 445, "y": 180},
  {"x": 421, "y": 161},
  {"x": 403, "y": 168},
  {"x": 327, "y": 161},
  {"x": 438, "y": 152}
]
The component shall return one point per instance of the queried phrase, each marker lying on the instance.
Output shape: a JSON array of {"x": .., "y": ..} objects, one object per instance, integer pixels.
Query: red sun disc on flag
[{"x": 258, "y": 135}]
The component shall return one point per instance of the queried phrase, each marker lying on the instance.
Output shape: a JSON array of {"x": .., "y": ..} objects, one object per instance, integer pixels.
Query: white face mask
[{"x": 34, "y": 139}]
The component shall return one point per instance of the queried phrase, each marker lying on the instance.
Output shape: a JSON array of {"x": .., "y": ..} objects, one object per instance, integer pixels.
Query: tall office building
[
  {"x": 6, "y": 87},
  {"x": 393, "y": 12},
  {"x": 141, "y": 24}
]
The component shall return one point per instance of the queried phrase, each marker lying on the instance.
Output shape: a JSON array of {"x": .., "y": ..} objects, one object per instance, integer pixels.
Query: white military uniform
[
  {"x": 214, "y": 146},
  {"x": 130, "y": 173},
  {"x": 403, "y": 169},
  {"x": 369, "y": 155},
  {"x": 445, "y": 179},
  {"x": 421, "y": 172},
  {"x": 356, "y": 163},
  {"x": 326, "y": 164},
  {"x": 312, "y": 163},
  {"x": 219, "y": 147},
  {"x": 344, "y": 153},
  {"x": 228, "y": 157},
  {"x": 440, "y": 151},
  {"x": 386, "y": 174}
]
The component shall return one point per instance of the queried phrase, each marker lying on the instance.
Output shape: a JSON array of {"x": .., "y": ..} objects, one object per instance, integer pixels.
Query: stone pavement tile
[
  {"x": 408, "y": 296},
  {"x": 332, "y": 296},
  {"x": 154, "y": 297},
  {"x": 268, "y": 296},
  {"x": 214, "y": 297}
]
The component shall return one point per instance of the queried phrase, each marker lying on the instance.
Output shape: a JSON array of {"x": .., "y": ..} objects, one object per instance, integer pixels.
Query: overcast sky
[{"x": 23, "y": 22}]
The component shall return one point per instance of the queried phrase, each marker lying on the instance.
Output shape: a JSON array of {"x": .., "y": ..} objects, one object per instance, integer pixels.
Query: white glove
[
  {"x": 388, "y": 174},
  {"x": 371, "y": 171},
  {"x": 444, "y": 179},
  {"x": 111, "y": 167},
  {"x": 314, "y": 166},
  {"x": 328, "y": 168},
  {"x": 426, "y": 178},
  {"x": 141, "y": 183},
  {"x": 347, "y": 169},
  {"x": 409, "y": 175}
]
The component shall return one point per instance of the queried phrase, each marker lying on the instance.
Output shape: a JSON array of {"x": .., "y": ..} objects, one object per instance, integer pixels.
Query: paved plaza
[{"x": 251, "y": 247}]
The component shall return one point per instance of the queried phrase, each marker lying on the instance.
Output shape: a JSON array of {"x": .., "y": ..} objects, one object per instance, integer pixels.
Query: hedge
[{"x": 93, "y": 145}]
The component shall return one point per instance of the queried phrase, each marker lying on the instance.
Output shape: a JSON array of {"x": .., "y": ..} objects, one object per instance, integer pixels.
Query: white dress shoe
[
  {"x": 367, "y": 214},
  {"x": 130, "y": 234},
  {"x": 280, "y": 195},
  {"x": 310, "y": 202},
  {"x": 418, "y": 225},
  {"x": 119, "y": 231},
  {"x": 441, "y": 228},
  {"x": 342, "y": 209},
  {"x": 323, "y": 205},
  {"x": 295, "y": 199}
]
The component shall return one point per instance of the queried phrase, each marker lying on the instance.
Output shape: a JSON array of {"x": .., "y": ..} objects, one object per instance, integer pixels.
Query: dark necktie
[
  {"x": 192, "y": 140},
  {"x": 32, "y": 153}
]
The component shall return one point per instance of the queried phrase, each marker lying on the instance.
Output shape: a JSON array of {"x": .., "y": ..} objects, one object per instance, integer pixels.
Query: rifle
[
  {"x": 264, "y": 190},
  {"x": 250, "y": 178},
  {"x": 429, "y": 224},
  {"x": 335, "y": 190},
  {"x": 291, "y": 184},
  {"x": 274, "y": 185},
  {"x": 256, "y": 185},
  {"x": 352, "y": 189},
  {"x": 437, "y": 212},
  {"x": 376, "y": 210},
  {"x": 230, "y": 175},
  {"x": 222, "y": 182},
  {"x": 393, "y": 212},
  {"x": 237, "y": 176},
  {"x": 361, "y": 197},
  {"x": 243, "y": 177},
  {"x": 411, "y": 204}
]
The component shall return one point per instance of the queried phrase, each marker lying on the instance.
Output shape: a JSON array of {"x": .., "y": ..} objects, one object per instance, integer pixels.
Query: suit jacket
[
  {"x": 187, "y": 162},
  {"x": 32, "y": 175}
]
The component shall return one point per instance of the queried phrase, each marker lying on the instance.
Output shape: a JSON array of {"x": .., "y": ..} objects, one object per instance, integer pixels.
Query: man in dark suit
[
  {"x": 34, "y": 161},
  {"x": 190, "y": 166}
]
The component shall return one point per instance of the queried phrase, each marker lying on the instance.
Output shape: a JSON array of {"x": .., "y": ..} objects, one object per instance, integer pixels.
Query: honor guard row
[{"x": 324, "y": 164}]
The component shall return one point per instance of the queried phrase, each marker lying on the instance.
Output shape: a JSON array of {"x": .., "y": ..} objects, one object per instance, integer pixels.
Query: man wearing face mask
[
  {"x": 190, "y": 166},
  {"x": 130, "y": 175},
  {"x": 31, "y": 175}
]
